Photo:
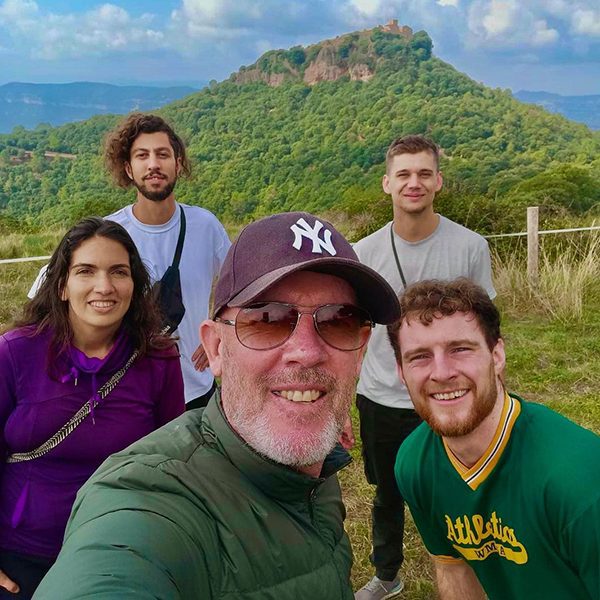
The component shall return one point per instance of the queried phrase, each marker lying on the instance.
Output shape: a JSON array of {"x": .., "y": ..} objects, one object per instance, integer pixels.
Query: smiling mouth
[
  {"x": 449, "y": 395},
  {"x": 299, "y": 395},
  {"x": 102, "y": 303}
]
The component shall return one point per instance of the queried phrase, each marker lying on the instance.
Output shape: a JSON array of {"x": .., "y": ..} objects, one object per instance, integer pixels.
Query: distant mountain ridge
[
  {"x": 29, "y": 104},
  {"x": 584, "y": 109}
]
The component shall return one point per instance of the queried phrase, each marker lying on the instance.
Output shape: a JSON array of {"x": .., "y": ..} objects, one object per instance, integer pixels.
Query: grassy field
[{"x": 551, "y": 334}]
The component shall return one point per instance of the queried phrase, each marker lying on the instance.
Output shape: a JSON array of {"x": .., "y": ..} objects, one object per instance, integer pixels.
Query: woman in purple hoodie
[{"x": 89, "y": 340}]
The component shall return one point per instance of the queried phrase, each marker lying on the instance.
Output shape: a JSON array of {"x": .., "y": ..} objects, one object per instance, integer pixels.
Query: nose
[
  {"x": 103, "y": 283},
  {"x": 413, "y": 180},
  {"x": 153, "y": 162},
  {"x": 305, "y": 345},
  {"x": 443, "y": 368}
]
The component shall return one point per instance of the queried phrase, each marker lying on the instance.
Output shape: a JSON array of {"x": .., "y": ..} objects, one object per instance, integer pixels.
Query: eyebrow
[
  {"x": 161, "y": 149},
  {"x": 401, "y": 171},
  {"x": 452, "y": 344},
  {"x": 93, "y": 266},
  {"x": 463, "y": 342}
]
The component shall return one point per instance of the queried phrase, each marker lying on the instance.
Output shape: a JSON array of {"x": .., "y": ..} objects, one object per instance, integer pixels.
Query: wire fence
[
  {"x": 4, "y": 261},
  {"x": 542, "y": 232},
  {"x": 489, "y": 237}
]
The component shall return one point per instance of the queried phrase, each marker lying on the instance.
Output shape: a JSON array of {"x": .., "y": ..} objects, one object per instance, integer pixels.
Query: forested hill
[{"x": 263, "y": 143}]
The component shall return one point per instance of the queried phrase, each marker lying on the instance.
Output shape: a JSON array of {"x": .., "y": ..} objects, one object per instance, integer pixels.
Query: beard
[
  {"x": 304, "y": 442},
  {"x": 484, "y": 401},
  {"x": 158, "y": 195}
]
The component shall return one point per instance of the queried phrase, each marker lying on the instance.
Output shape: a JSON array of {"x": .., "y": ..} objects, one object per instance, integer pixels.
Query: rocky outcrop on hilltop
[
  {"x": 356, "y": 56},
  {"x": 326, "y": 66}
]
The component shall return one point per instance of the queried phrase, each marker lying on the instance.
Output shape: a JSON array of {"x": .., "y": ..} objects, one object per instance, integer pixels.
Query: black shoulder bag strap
[
  {"x": 179, "y": 248},
  {"x": 396, "y": 255},
  {"x": 167, "y": 291}
]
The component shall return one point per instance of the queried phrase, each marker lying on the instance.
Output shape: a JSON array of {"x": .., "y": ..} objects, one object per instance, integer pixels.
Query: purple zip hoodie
[{"x": 37, "y": 398}]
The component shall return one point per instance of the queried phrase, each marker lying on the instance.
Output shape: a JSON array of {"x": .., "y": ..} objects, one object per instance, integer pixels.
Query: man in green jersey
[{"x": 505, "y": 493}]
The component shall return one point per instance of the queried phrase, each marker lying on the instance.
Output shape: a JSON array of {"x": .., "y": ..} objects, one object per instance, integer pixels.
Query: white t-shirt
[
  {"x": 451, "y": 251},
  {"x": 204, "y": 248}
]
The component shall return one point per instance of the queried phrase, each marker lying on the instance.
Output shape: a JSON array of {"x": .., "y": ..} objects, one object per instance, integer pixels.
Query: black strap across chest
[
  {"x": 179, "y": 248},
  {"x": 396, "y": 255}
]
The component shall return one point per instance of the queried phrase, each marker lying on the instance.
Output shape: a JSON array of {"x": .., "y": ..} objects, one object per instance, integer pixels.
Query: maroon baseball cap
[{"x": 268, "y": 250}]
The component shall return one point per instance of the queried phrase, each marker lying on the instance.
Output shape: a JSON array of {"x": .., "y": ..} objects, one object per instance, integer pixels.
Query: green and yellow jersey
[{"x": 526, "y": 516}]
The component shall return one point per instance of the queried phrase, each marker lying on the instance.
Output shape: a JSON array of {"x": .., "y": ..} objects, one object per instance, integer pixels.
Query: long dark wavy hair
[
  {"x": 118, "y": 143},
  {"x": 47, "y": 309}
]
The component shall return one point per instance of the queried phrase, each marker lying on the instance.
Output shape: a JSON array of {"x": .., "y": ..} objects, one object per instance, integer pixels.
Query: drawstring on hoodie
[
  {"x": 95, "y": 398},
  {"x": 73, "y": 374}
]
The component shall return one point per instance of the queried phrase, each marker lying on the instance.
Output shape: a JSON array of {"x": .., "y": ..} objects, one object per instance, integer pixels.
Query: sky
[{"x": 550, "y": 45}]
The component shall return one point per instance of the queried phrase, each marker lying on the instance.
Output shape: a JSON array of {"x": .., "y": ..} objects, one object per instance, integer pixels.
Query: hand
[
  {"x": 7, "y": 583},
  {"x": 347, "y": 436},
  {"x": 200, "y": 359}
]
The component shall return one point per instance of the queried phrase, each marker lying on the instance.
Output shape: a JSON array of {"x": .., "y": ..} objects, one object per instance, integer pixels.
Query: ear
[
  {"x": 361, "y": 356},
  {"x": 178, "y": 167},
  {"x": 400, "y": 373},
  {"x": 385, "y": 184},
  {"x": 128, "y": 170},
  {"x": 440, "y": 182},
  {"x": 64, "y": 295},
  {"x": 499, "y": 358},
  {"x": 210, "y": 335}
]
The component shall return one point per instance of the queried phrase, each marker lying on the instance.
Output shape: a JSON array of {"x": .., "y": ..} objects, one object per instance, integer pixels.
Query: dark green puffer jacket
[{"x": 191, "y": 512}]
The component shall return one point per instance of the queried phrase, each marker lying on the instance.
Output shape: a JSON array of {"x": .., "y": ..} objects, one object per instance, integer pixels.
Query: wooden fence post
[{"x": 533, "y": 245}]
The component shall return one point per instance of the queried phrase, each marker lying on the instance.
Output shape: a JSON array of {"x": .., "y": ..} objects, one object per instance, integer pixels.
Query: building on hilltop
[{"x": 392, "y": 27}]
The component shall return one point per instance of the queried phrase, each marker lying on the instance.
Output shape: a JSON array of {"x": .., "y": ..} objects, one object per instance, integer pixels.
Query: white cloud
[
  {"x": 559, "y": 8},
  {"x": 453, "y": 3},
  {"x": 17, "y": 10},
  {"x": 542, "y": 35},
  {"x": 52, "y": 36},
  {"x": 508, "y": 24},
  {"x": 216, "y": 17},
  {"x": 368, "y": 8},
  {"x": 500, "y": 17},
  {"x": 586, "y": 22}
]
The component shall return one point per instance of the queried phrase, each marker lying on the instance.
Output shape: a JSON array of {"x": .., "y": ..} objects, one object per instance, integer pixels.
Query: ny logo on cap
[{"x": 302, "y": 229}]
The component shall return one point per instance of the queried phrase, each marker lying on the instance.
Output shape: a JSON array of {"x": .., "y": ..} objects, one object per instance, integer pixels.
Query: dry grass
[
  {"x": 17, "y": 245},
  {"x": 568, "y": 275},
  {"x": 417, "y": 571},
  {"x": 15, "y": 281}
]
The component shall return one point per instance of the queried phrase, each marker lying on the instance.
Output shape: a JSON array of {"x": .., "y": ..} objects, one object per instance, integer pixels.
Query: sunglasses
[{"x": 270, "y": 324}]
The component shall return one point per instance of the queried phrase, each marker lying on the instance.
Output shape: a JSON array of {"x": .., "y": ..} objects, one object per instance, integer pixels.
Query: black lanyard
[{"x": 396, "y": 255}]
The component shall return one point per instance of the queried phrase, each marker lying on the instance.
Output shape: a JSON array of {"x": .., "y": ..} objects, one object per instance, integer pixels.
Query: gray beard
[
  {"x": 256, "y": 431},
  {"x": 314, "y": 450}
]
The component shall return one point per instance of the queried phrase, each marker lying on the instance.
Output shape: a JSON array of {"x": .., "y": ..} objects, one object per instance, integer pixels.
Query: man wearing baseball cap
[{"x": 241, "y": 500}]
